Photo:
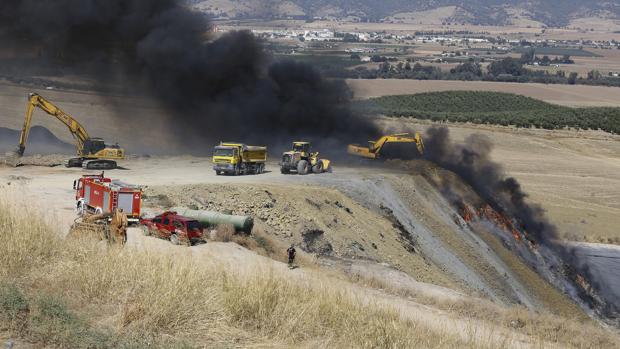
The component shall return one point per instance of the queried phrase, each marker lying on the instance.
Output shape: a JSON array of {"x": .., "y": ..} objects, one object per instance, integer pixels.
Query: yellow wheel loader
[
  {"x": 397, "y": 146},
  {"x": 302, "y": 161},
  {"x": 92, "y": 153}
]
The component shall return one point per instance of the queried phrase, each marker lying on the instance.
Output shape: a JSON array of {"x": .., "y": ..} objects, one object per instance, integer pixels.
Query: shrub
[
  {"x": 13, "y": 307},
  {"x": 224, "y": 232}
]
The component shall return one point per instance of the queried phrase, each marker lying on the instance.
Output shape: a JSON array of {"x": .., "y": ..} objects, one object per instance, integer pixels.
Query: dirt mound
[
  {"x": 10, "y": 159},
  {"x": 320, "y": 221},
  {"x": 40, "y": 141}
]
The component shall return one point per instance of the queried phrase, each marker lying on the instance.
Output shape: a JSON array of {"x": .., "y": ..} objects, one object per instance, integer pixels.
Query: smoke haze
[{"x": 215, "y": 87}]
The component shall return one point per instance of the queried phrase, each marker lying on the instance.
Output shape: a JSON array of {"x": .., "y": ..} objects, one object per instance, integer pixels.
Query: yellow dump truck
[{"x": 239, "y": 158}]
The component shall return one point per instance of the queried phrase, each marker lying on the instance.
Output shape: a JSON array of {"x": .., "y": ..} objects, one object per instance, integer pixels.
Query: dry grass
[
  {"x": 224, "y": 233},
  {"x": 544, "y": 327},
  {"x": 79, "y": 294}
]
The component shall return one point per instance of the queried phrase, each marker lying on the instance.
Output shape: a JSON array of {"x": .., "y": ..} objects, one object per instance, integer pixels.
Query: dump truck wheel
[
  {"x": 302, "y": 167},
  {"x": 318, "y": 168},
  {"x": 174, "y": 238}
]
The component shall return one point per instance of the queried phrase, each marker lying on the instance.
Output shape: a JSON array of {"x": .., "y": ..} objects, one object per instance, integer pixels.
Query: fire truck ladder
[{"x": 114, "y": 199}]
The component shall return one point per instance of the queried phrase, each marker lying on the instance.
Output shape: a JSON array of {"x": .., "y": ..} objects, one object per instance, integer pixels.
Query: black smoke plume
[
  {"x": 216, "y": 86},
  {"x": 471, "y": 161}
]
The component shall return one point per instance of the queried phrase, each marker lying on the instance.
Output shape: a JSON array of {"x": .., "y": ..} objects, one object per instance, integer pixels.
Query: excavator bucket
[{"x": 400, "y": 150}]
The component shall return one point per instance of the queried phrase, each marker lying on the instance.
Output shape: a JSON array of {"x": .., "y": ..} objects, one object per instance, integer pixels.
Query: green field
[{"x": 492, "y": 108}]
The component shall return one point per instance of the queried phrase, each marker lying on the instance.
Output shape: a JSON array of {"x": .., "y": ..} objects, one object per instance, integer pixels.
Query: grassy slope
[
  {"x": 76, "y": 294},
  {"x": 493, "y": 108}
]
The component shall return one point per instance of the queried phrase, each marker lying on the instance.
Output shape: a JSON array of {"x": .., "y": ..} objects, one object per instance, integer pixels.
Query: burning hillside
[{"x": 499, "y": 205}]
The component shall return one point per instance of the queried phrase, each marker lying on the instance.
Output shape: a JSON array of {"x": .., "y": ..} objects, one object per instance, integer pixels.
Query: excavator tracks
[
  {"x": 95, "y": 164},
  {"x": 99, "y": 165}
]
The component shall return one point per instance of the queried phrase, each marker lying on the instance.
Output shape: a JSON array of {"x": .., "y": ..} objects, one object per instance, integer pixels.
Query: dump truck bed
[{"x": 255, "y": 154}]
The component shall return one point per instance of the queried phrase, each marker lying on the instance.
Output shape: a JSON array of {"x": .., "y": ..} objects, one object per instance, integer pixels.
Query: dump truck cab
[
  {"x": 174, "y": 227},
  {"x": 301, "y": 160},
  {"x": 239, "y": 158}
]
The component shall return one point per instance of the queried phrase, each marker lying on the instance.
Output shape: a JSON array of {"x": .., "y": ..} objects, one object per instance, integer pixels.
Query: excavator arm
[
  {"x": 35, "y": 101},
  {"x": 397, "y": 142}
]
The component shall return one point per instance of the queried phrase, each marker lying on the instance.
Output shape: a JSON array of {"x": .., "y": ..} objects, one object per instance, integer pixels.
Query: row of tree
[
  {"x": 492, "y": 108},
  {"x": 506, "y": 70},
  {"x": 529, "y": 57}
]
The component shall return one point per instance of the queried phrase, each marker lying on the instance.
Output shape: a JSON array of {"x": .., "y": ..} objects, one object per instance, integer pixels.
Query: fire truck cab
[{"x": 100, "y": 195}]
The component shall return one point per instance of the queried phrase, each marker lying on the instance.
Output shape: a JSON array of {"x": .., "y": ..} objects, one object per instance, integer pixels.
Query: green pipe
[{"x": 210, "y": 218}]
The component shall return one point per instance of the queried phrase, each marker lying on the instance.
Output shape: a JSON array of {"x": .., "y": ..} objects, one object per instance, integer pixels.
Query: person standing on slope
[{"x": 291, "y": 255}]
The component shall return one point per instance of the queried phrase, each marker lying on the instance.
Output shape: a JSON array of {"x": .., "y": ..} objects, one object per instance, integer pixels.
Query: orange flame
[
  {"x": 582, "y": 282},
  {"x": 467, "y": 214},
  {"x": 500, "y": 219}
]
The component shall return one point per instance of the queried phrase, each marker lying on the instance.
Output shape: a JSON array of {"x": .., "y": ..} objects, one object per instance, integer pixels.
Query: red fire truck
[{"x": 98, "y": 194}]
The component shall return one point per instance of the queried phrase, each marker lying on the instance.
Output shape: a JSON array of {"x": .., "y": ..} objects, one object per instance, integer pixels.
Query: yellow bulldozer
[
  {"x": 396, "y": 146},
  {"x": 302, "y": 161},
  {"x": 110, "y": 227},
  {"x": 92, "y": 153}
]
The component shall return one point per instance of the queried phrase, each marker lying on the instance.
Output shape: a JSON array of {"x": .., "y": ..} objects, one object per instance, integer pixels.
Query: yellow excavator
[
  {"x": 93, "y": 153},
  {"x": 397, "y": 146}
]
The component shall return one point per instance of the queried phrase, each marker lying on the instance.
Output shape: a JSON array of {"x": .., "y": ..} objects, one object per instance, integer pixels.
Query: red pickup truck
[{"x": 176, "y": 228}]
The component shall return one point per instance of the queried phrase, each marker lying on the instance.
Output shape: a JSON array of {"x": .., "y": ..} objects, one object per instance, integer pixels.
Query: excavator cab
[{"x": 94, "y": 145}]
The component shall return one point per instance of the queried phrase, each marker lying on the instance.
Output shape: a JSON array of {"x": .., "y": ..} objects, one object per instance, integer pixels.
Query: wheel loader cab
[
  {"x": 302, "y": 147},
  {"x": 300, "y": 160}
]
